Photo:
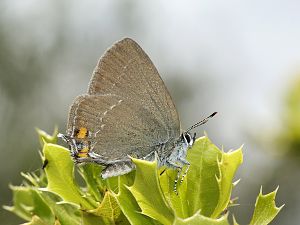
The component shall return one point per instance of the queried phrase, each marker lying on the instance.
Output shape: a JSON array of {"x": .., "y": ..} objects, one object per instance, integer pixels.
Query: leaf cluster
[{"x": 143, "y": 196}]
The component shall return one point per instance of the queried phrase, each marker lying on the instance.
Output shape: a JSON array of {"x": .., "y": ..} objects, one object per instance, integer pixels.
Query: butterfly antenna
[{"x": 201, "y": 122}]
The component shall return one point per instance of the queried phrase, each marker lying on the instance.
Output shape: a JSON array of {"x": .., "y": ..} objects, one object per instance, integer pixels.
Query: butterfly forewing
[{"x": 126, "y": 71}]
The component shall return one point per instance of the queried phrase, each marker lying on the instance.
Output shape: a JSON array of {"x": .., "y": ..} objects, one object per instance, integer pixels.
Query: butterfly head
[{"x": 188, "y": 138}]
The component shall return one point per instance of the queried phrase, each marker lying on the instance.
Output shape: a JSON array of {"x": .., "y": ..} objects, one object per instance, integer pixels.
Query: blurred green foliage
[{"x": 289, "y": 137}]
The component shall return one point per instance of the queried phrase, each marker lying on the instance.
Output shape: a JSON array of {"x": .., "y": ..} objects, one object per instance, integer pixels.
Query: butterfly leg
[
  {"x": 179, "y": 170},
  {"x": 184, "y": 162}
]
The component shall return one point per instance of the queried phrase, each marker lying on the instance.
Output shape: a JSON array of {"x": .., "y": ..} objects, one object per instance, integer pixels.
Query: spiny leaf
[
  {"x": 227, "y": 167},
  {"x": 108, "y": 208},
  {"x": 47, "y": 138},
  {"x": 35, "y": 206},
  {"x": 148, "y": 194},
  {"x": 128, "y": 204},
  {"x": 208, "y": 184},
  {"x": 60, "y": 173},
  {"x": 199, "y": 219},
  {"x": 265, "y": 209},
  {"x": 36, "y": 221},
  {"x": 143, "y": 196},
  {"x": 202, "y": 185},
  {"x": 28, "y": 202},
  {"x": 90, "y": 219},
  {"x": 64, "y": 213},
  {"x": 32, "y": 179},
  {"x": 91, "y": 174}
]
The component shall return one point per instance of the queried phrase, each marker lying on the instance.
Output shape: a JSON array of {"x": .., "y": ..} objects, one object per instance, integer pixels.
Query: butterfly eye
[{"x": 188, "y": 139}]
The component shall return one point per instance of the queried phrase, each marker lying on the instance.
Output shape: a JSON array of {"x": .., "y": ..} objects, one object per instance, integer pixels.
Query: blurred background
[{"x": 240, "y": 58}]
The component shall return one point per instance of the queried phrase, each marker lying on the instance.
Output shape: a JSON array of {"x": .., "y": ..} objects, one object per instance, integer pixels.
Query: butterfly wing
[
  {"x": 128, "y": 109},
  {"x": 117, "y": 128},
  {"x": 127, "y": 71}
]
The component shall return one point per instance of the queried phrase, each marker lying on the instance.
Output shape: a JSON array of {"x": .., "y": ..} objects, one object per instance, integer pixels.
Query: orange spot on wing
[{"x": 82, "y": 133}]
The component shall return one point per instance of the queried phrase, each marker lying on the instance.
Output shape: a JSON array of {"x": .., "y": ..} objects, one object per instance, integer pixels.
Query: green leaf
[
  {"x": 265, "y": 209},
  {"x": 36, "y": 221},
  {"x": 179, "y": 203},
  {"x": 228, "y": 166},
  {"x": 34, "y": 179},
  {"x": 148, "y": 194},
  {"x": 199, "y": 189},
  {"x": 91, "y": 175},
  {"x": 208, "y": 184},
  {"x": 199, "y": 219},
  {"x": 90, "y": 219},
  {"x": 128, "y": 204},
  {"x": 47, "y": 138},
  {"x": 27, "y": 202},
  {"x": 65, "y": 213},
  {"x": 108, "y": 208},
  {"x": 202, "y": 184},
  {"x": 35, "y": 206},
  {"x": 60, "y": 174}
]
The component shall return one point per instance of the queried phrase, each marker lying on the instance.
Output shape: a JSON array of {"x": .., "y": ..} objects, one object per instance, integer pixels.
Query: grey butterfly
[{"x": 127, "y": 111}]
